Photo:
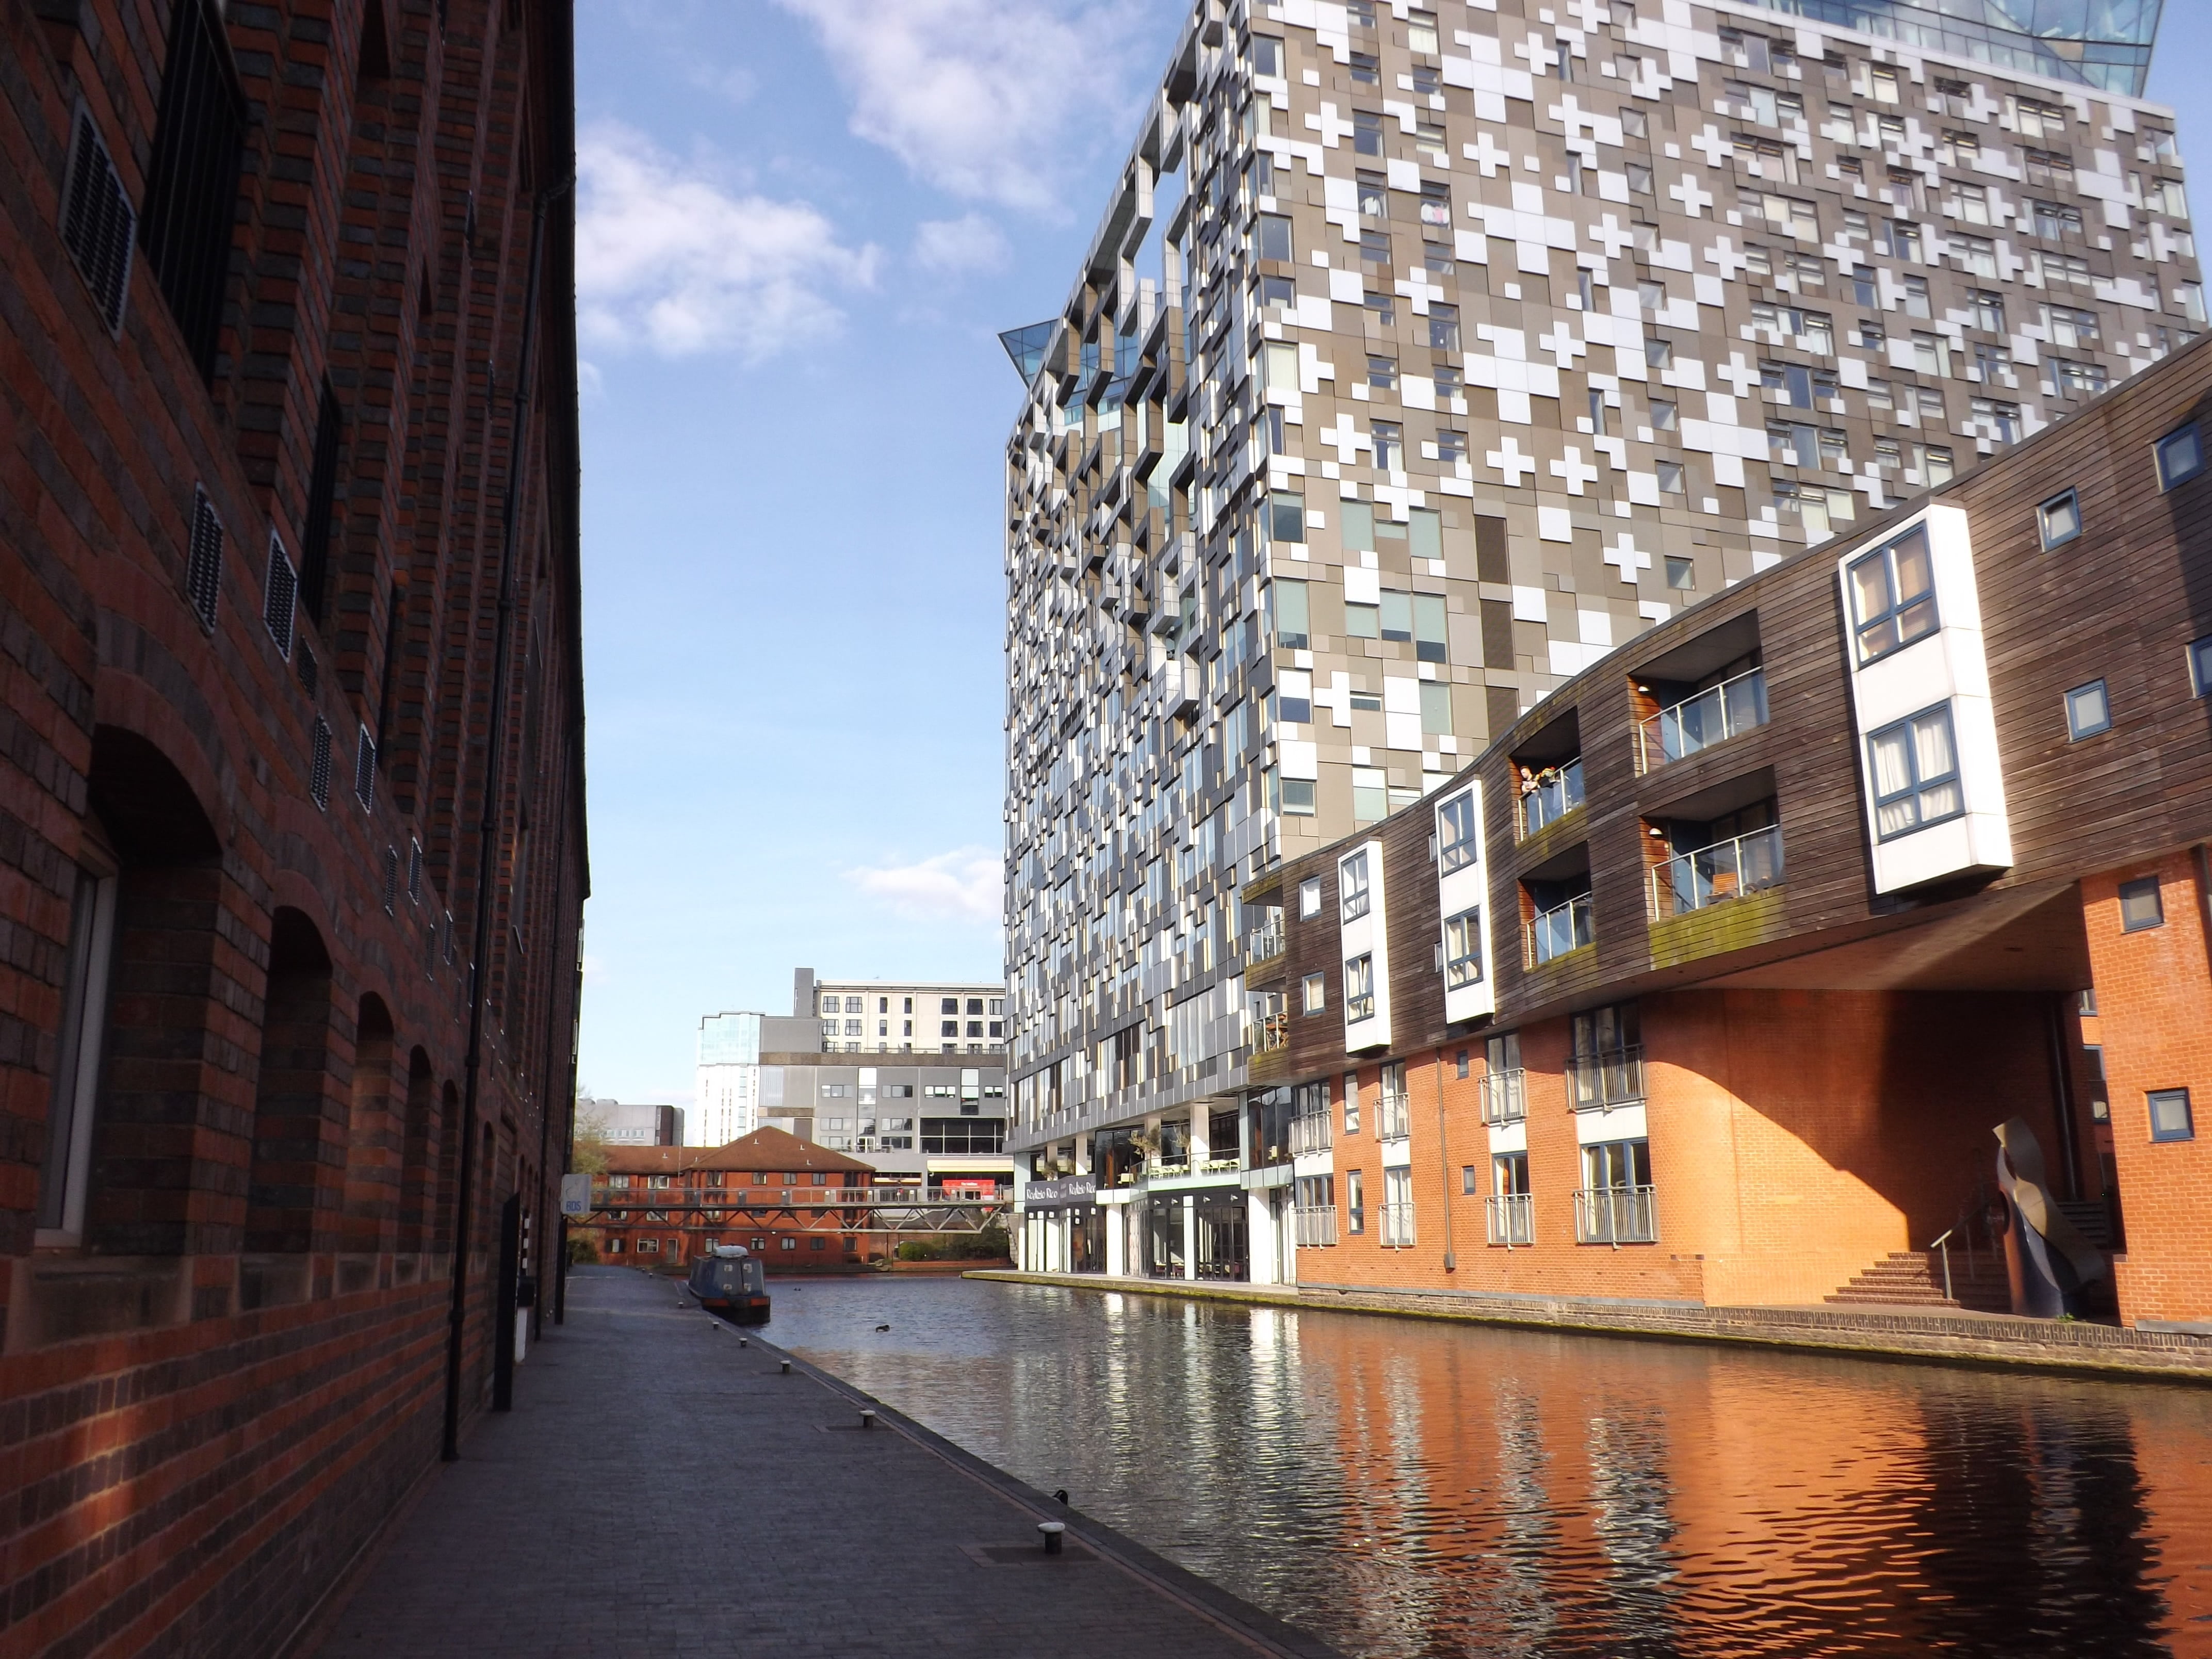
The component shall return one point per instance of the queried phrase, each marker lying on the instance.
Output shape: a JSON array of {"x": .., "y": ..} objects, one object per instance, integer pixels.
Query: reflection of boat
[{"x": 729, "y": 1278}]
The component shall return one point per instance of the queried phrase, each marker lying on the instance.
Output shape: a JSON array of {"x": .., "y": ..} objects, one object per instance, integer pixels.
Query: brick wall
[{"x": 215, "y": 1389}]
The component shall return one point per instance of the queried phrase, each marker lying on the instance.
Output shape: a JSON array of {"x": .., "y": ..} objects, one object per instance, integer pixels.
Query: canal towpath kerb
[
  {"x": 1954, "y": 1337},
  {"x": 659, "y": 1489}
]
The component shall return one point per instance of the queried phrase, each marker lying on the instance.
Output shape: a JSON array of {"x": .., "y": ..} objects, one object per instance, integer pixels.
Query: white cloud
[
  {"x": 966, "y": 885},
  {"x": 982, "y": 97},
  {"x": 668, "y": 258},
  {"x": 952, "y": 247}
]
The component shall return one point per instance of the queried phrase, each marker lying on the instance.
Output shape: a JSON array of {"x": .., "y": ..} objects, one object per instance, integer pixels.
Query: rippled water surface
[{"x": 1403, "y": 1488}]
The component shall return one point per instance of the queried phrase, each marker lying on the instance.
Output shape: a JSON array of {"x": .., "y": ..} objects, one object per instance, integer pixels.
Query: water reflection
[{"x": 1402, "y": 1488}]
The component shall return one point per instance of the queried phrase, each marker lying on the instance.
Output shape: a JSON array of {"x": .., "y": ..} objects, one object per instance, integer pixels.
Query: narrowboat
[{"x": 730, "y": 1280}]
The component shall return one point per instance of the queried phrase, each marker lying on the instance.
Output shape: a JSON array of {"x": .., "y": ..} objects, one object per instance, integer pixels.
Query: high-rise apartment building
[{"x": 1425, "y": 356}]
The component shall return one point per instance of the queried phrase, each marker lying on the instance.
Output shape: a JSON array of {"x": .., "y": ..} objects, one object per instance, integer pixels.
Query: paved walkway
[{"x": 660, "y": 1492}]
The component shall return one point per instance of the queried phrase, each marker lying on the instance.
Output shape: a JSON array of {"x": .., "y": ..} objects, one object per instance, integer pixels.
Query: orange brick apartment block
[
  {"x": 292, "y": 847},
  {"x": 1713, "y": 977}
]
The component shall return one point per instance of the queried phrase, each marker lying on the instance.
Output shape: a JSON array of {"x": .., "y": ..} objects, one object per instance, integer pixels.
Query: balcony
[
  {"x": 1616, "y": 1215},
  {"x": 1273, "y": 1032},
  {"x": 1393, "y": 1118},
  {"x": 1504, "y": 1097},
  {"x": 1548, "y": 796},
  {"x": 1512, "y": 1219},
  {"x": 1265, "y": 944},
  {"x": 1713, "y": 875},
  {"x": 1614, "y": 1078},
  {"x": 1562, "y": 928},
  {"x": 1310, "y": 1134},
  {"x": 1713, "y": 716},
  {"x": 1315, "y": 1223},
  {"x": 1398, "y": 1226}
]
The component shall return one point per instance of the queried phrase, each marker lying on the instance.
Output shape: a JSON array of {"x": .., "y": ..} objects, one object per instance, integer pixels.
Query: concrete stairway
[{"x": 1914, "y": 1279}]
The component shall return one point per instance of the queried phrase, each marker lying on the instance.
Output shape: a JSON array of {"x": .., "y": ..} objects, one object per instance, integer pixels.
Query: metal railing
[
  {"x": 1562, "y": 928},
  {"x": 1616, "y": 1215},
  {"x": 1398, "y": 1226},
  {"x": 1274, "y": 1033},
  {"x": 1714, "y": 715},
  {"x": 1512, "y": 1219},
  {"x": 1552, "y": 795},
  {"x": 1315, "y": 1223},
  {"x": 1310, "y": 1134},
  {"x": 1713, "y": 875},
  {"x": 1612, "y": 1078},
  {"x": 1393, "y": 1117},
  {"x": 1504, "y": 1097}
]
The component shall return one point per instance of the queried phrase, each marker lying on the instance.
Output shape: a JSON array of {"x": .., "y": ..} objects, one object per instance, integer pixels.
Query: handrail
[
  {"x": 1504, "y": 1097},
  {"x": 1550, "y": 796},
  {"x": 1562, "y": 928},
  {"x": 1749, "y": 863},
  {"x": 1943, "y": 1245},
  {"x": 1713, "y": 716}
]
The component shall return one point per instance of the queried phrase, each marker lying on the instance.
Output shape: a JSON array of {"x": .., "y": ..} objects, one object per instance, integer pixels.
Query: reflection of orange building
[
  {"x": 1509, "y": 1491},
  {"x": 770, "y": 1191}
]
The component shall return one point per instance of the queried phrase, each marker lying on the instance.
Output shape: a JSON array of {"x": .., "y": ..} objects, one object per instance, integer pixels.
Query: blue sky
[{"x": 803, "y": 223}]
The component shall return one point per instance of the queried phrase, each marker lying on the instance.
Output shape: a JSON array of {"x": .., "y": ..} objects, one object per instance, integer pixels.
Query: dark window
[
  {"x": 203, "y": 559},
  {"x": 192, "y": 188},
  {"x": 2170, "y": 1117},
  {"x": 2200, "y": 666},
  {"x": 2180, "y": 457},
  {"x": 2141, "y": 907},
  {"x": 961, "y": 1137},
  {"x": 2059, "y": 518},
  {"x": 322, "y": 498},
  {"x": 97, "y": 225}
]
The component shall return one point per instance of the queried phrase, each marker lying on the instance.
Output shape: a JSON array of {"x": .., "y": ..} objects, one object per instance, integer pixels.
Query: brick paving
[{"x": 659, "y": 1492}]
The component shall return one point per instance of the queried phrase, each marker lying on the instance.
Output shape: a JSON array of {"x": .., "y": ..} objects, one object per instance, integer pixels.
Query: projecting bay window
[
  {"x": 1617, "y": 1204},
  {"x": 1892, "y": 595},
  {"x": 1359, "y": 988},
  {"x": 1463, "y": 949},
  {"x": 1914, "y": 765}
]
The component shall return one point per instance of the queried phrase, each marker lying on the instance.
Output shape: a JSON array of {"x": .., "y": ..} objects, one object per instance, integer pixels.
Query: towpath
[{"x": 662, "y": 1492}]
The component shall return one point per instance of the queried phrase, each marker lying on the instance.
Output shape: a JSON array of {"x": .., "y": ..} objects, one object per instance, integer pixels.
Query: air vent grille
[
  {"x": 318, "y": 771},
  {"x": 203, "y": 559},
  {"x": 98, "y": 225},
  {"x": 309, "y": 671},
  {"x": 280, "y": 596},
  {"x": 364, "y": 771},
  {"x": 414, "y": 872},
  {"x": 390, "y": 879}
]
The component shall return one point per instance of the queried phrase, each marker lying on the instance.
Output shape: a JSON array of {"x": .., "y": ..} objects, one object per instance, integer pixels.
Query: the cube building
[{"x": 1423, "y": 356}]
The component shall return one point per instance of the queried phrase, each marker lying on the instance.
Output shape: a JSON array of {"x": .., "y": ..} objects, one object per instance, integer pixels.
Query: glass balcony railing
[
  {"x": 1563, "y": 927},
  {"x": 1548, "y": 796},
  {"x": 1714, "y": 715},
  {"x": 1504, "y": 1097},
  {"x": 1264, "y": 944},
  {"x": 1616, "y": 1215},
  {"x": 1512, "y": 1220},
  {"x": 1310, "y": 1134},
  {"x": 1714, "y": 874}
]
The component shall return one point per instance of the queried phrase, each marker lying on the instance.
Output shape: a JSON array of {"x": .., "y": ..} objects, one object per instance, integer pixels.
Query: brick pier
[{"x": 659, "y": 1489}]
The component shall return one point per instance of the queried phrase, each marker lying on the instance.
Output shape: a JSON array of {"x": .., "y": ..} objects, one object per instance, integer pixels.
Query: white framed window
[
  {"x": 1359, "y": 988},
  {"x": 1351, "y": 886},
  {"x": 1915, "y": 765},
  {"x": 1893, "y": 595},
  {"x": 1351, "y": 1102},
  {"x": 1309, "y": 898},
  {"x": 1313, "y": 993},
  {"x": 1456, "y": 832},
  {"x": 76, "y": 1074},
  {"x": 1397, "y": 1209},
  {"x": 1463, "y": 949}
]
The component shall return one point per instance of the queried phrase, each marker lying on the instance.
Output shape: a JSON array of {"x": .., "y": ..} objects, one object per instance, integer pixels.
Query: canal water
[{"x": 1404, "y": 1488}]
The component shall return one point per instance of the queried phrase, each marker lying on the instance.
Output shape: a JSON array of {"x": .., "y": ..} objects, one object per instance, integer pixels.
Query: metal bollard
[
  {"x": 867, "y": 1420},
  {"x": 786, "y": 1368},
  {"x": 1054, "y": 1531},
  {"x": 743, "y": 1343}
]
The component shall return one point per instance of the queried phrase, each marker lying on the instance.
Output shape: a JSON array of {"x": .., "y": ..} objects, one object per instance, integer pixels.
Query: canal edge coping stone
[{"x": 2109, "y": 1352}]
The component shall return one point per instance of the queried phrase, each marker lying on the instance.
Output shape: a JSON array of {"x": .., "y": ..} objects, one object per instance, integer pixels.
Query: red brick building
[
  {"x": 292, "y": 843},
  {"x": 770, "y": 1191}
]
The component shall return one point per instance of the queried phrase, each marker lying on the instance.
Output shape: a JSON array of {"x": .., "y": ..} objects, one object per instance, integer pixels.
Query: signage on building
[
  {"x": 575, "y": 1194},
  {"x": 1061, "y": 1191}
]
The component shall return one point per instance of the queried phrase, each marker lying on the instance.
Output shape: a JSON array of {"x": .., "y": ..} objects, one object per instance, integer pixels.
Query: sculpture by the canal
[{"x": 2046, "y": 1259}]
